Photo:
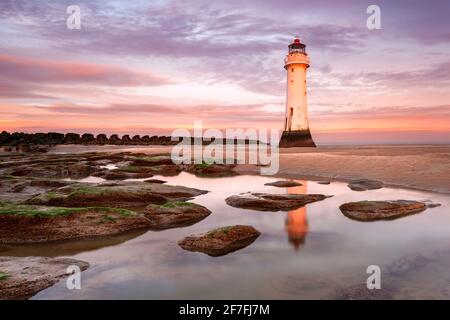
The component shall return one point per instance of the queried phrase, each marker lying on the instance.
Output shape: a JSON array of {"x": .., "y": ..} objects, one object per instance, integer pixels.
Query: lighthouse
[{"x": 296, "y": 128}]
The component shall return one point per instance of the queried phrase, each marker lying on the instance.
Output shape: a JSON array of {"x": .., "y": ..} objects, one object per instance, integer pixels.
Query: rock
[
  {"x": 80, "y": 170},
  {"x": 361, "y": 292},
  {"x": 323, "y": 182},
  {"x": 136, "y": 139},
  {"x": 24, "y": 277},
  {"x": 365, "y": 184},
  {"x": 155, "y": 181},
  {"x": 430, "y": 204},
  {"x": 151, "y": 161},
  {"x": 101, "y": 138},
  {"x": 381, "y": 210},
  {"x": 221, "y": 241},
  {"x": 87, "y": 137},
  {"x": 114, "y": 139},
  {"x": 20, "y": 224},
  {"x": 120, "y": 175},
  {"x": 272, "y": 202},
  {"x": 72, "y": 138},
  {"x": 283, "y": 184},
  {"x": 18, "y": 189},
  {"x": 175, "y": 214},
  {"x": 210, "y": 170},
  {"x": 404, "y": 265},
  {"x": 164, "y": 170},
  {"x": 123, "y": 195}
]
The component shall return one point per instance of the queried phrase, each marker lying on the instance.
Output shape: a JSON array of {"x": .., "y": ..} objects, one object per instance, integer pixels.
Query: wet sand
[{"x": 422, "y": 167}]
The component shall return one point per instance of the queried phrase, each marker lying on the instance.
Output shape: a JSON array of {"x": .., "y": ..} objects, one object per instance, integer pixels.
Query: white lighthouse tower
[{"x": 296, "y": 128}]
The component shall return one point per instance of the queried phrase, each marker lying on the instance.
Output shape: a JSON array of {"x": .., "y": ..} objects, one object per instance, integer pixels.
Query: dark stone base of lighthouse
[{"x": 298, "y": 138}]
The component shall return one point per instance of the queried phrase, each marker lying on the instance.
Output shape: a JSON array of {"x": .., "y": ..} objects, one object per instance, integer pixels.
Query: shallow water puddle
[{"x": 303, "y": 253}]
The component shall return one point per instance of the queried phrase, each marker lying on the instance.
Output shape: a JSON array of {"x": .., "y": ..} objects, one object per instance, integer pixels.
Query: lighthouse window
[{"x": 292, "y": 69}]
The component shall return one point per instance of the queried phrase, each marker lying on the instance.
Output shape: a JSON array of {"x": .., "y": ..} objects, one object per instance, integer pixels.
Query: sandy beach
[{"x": 422, "y": 167}]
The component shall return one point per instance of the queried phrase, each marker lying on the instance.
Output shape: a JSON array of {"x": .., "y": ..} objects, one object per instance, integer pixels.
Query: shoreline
[{"x": 416, "y": 167}]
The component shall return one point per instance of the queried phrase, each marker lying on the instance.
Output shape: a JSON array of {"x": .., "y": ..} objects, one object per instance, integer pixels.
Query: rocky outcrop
[
  {"x": 114, "y": 139},
  {"x": 136, "y": 139},
  {"x": 22, "y": 278},
  {"x": 221, "y": 241},
  {"x": 87, "y": 137},
  {"x": 272, "y": 202},
  {"x": 21, "y": 224},
  {"x": 126, "y": 139},
  {"x": 80, "y": 170},
  {"x": 381, "y": 210},
  {"x": 175, "y": 214},
  {"x": 72, "y": 138},
  {"x": 101, "y": 138},
  {"x": 365, "y": 184},
  {"x": 155, "y": 181},
  {"x": 117, "y": 195},
  {"x": 210, "y": 170},
  {"x": 283, "y": 184}
]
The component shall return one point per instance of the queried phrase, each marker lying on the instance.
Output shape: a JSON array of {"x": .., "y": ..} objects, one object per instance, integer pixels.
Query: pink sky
[{"x": 151, "y": 67}]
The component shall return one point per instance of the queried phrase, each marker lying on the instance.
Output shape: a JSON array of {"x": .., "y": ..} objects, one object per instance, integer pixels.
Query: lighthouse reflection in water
[{"x": 296, "y": 220}]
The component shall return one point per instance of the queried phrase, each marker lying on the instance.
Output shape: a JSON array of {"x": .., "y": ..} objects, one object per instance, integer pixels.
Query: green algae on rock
[
  {"x": 21, "y": 224},
  {"x": 220, "y": 241},
  {"x": 381, "y": 210}
]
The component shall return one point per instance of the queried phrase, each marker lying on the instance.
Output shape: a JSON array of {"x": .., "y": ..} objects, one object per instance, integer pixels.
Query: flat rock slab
[
  {"x": 221, "y": 241},
  {"x": 175, "y": 215},
  {"x": 118, "y": 195},
  {"x": 283, "y": 184},
  {"x": 155, "y": 181},
  {"x": 272, "y": 202},
  {"x": 430, "y": 204},
  {"x": 211, "y": 170},
  {"x": 21, "y": 278},
  {"x": 365, "y": 184},
  {"x": 381, "y": 210},
  {"x": 20, "y": 224}
]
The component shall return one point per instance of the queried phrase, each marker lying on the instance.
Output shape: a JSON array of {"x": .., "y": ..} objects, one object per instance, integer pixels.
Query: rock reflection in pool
[
  {"x": 69, "y": 247},
  {"x": 335, "y": 254}
]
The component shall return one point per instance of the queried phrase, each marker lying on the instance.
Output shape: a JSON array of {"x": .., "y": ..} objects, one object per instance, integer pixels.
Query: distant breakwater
[{"x": 38, "y": 142}]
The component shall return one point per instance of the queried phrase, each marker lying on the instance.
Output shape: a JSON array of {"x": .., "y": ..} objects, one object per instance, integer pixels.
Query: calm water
[{"x": 301, "y": 254}]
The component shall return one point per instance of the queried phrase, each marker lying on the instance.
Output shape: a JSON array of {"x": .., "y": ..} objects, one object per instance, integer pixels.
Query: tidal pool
[{"x": 306, "y": 253}]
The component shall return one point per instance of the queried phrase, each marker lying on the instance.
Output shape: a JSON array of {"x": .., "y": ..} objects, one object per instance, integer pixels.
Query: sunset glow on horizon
[{"x": 149, "y": 67}]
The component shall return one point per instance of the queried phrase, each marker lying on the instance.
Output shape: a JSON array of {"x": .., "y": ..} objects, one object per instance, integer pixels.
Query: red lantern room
[{"x": 297, "y": 47}]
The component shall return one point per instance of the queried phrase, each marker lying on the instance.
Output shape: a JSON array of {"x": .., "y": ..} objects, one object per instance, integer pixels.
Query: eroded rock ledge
[
  {"x": 175, "y": 215},
  {"x": 221, "y": 241},
  {"x": 272, "y": 202},
  {"x": 120, "y": 195},
  {"x": 20, "y": 224},
  {"x": 283, "y": 184},
  {"x": 381, "y": 210},
  {"x": 21, "y": 278}
]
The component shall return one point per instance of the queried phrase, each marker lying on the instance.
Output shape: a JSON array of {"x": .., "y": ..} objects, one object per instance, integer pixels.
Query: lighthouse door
[{"x": 289, "y": 124}]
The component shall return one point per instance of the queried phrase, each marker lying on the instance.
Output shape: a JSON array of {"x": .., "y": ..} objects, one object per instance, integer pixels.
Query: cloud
[{"x": 20, "y": 69}]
